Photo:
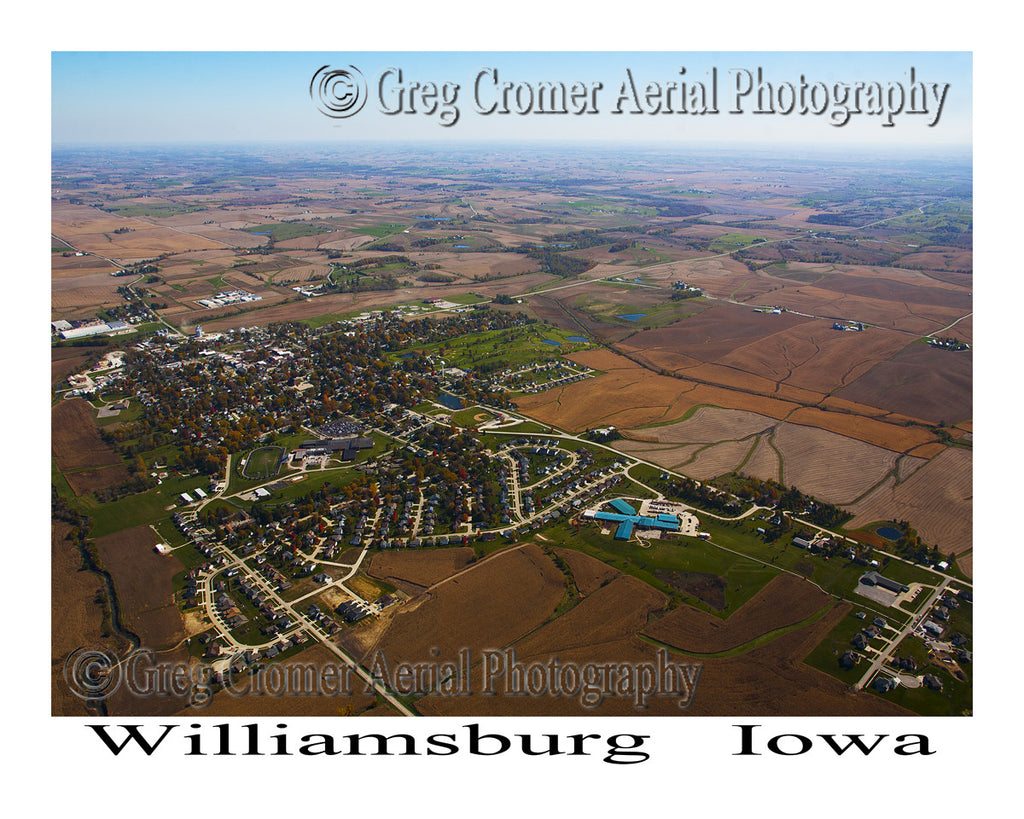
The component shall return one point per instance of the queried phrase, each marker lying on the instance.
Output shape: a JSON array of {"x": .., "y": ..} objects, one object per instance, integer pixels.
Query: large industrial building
[{"x": 91, "y": 329}]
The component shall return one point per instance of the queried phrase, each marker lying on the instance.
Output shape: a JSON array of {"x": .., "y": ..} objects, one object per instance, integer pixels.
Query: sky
[{"x": 102, "y": 97}]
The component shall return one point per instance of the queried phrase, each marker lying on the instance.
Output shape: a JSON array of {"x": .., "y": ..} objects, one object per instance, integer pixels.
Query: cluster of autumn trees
[{"x": 208, "y": 408}]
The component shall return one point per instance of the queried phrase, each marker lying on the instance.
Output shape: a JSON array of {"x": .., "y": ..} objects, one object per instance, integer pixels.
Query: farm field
[
  {"x": 143, "y": 582},
  {"x": 76, "y": 442},
  {"x": 75, "y": 613},
  {"x": 419, "y": 569},
  {"x": 785, "y": 601},
  {"x": 921, "y": 382},
  {"x": 769, "y": 681},
  {"x": 760, "y": 327},
  {"x": 490, "y": 604},
  {"x": 244, "y": 698},
  {"x": 938, "y": 496}
]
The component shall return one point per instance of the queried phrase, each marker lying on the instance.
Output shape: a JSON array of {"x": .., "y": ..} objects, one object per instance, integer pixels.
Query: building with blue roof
[
  {"x": 627, "y": 522},
  {"x": 622, "y": 507}
]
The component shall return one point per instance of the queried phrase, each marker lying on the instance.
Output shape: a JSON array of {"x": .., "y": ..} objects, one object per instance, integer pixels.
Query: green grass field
[
  {"x": 263, "y": 463},
  {"x": 657, "y": 314},
  {"x": 733, "y": 241},
  {"x": 283, "y": 231},
  {"x": 744, "y": 577},
  {"x": 468, "y": 417},
  {"x": 382, "y": 230},
  {"x": 497, "y": 349}
]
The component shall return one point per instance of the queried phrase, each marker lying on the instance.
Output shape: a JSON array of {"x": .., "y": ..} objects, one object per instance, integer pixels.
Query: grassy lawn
[
  {"x": 908, "y": 573},
  {"x": 955, "y": 699},
  {"x": 311, "y": 481},
  {"x": 743, "y": 577},
  {"x": 511, "y": 347},
  {"x": 170, "y": 533},
  {"x": 282, "y": 231},
  {"x": 468, "y": 417},
  {"x": 368, "y": 588},
  {"x": 263, "y": 463},
  {"x": 145, "y": 508},
  {"x": 63, "y": 487},
  {"x": 733, "y": 241},
  {"x": 132, "y": 413},
  {"x": 126, "y": 513},
  {"x": 649, "y": 316},
  {"x": 380, "y": 231},
  {"x": 825, "y": 657}
]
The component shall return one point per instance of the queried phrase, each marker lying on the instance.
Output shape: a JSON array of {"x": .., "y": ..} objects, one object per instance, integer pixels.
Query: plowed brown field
[
  {"x": 784, "y": 601},
  {"x": 421, "y": 568},
  {"x": 829, "y": 466},
  {"x": 489, "y": 605},
  {"x": 75, "y": 439},
  {"x": 588, "y": 572},
  {"x": 888, "y": 436},
  {"x": 142, "y": 581},
  {"x": 937, "y": 498}
]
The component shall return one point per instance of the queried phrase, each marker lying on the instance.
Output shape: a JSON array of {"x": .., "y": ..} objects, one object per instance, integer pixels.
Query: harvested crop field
[
  {"x": 774, "y": 680},
  {"x": 715, "y": 332},
  {"x": 896, "y": 437},
  {"x": 419, "y": 568},
  {"x": 829, "y": 466},
  {"x": 142, "y": 580},
  {"x": 937, "y": 498},
  {"x": 67, "y": 301},
  {"x": 67, "y": 360},
  {"x": 85, "y": 481},
  {"x": 307, "y": 674},
  {"x": 598, "y": 401},
  {"x": 768, "y": 681},
  {"x": 903, "y": 287},
  {"x": 919, "y": 319},
  {"x": 302, "y": 274},
  {"x": 489, "y": 605},
  {"x": 75, "y": 615},
  {"x": 75, "y": 439},
  {"x": 953, "y": 259},
  {"x": 923, "y": 382},
  {"x": 666, "y": 456},
  {"x": 735, "y": 379},
  {"x": 785, "y": 601},
  {"x": 619, "y": 609},
  {"x": 652, "y": 399},
  {"x": 715, "y": 460},
  {"x": 477, "y": 265},
  {"x": 815, "y": 357},
  {"x": 707, "y": 587},
  {"x": 719, "y": 275},
  {"x": 588, "y": 572},
  {"x": 764, "y": 462},
  {"x": 124, "y": 702},
  {"x": 708, "y": 425}
]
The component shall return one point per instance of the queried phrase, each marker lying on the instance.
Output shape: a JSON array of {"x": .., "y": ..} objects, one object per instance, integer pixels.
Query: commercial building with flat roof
[{"x": 628, "y": 521}]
